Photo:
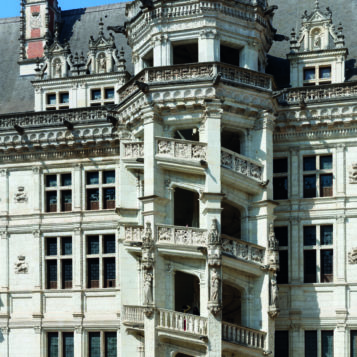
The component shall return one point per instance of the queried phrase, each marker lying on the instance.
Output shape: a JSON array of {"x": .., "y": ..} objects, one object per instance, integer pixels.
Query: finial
[
  {"x": 122, "y": 53},
  {"x": 101, "y": 26},
  {"x": 56, "y": 31},
  {"x": 317, "y": 5}
]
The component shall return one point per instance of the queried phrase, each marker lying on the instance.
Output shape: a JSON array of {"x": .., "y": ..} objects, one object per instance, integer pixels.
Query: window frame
[
  {"x": 317, "y": 80},
  {"x": 102, "y": 341},
  {"x": 319, "y": 347},
  {"x": 59, "y": 189},
  {"x": 284, "y": 248},
  {"x": 60, "y": 341},
  {"x": 59, "y": 104},
  {"x": 103, "y": 97},
  {"x": 281, "y": 175}
]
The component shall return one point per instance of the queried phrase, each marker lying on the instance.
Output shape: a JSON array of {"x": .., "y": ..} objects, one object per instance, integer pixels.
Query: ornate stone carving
[
  {"x": 133, "y": 150},
  {"x": 20, "y": 196},
  {"x": 21, "y": 267},
  {"x": 352, "y": 256},
  {"x": 273, "y": 242},
  {"x": 214, "y": 303},
  {"x": 181, "y": 149},
  {"x": 353, "y": 173},
  {"x": 35, "y": 20},
  {"x": 273, "y": 250},
  {"x": 214, "y": 237},
  {"x": 274, "y": 298},
  {"x": 148, "y": 300},
  {"x": 181, "y": 235}
]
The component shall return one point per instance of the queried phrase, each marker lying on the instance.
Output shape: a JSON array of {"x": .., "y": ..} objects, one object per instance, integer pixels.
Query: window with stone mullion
[{"x": 60, "y": 344}]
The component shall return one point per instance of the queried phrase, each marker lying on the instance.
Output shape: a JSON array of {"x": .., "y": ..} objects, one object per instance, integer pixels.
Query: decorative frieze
[
  {"x": 133, "y": 234},
  {"x": 177, "y": 235},
  {"x": 181, "y": 149},
  {"x": 133, "y": 150},
  {"x": 241, "y": 164}
]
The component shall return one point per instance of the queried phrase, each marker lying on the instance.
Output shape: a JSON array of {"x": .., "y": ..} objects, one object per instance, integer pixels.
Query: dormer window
[
  {"x": 56, "y": 101},
  {"x": 102, "y": 96},
  {"x": 317, "y": 75}
]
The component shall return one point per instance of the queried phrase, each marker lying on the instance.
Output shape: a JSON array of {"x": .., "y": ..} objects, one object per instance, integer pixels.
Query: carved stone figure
[
  {"x": 21, "y": 267},
  {"x": 102, "y": 64},
  {"x": 353, "y": 173},
  {"x": 215, "y": 285},
  {"x": 352, "y": 256},
  {"x": 213, "y": 235},
  {"x": 20, "y": 196},
  {"x": 148, "y": 300},
  {"x": 273, "y": 242},
  {"x": 274, "y": 293},
  {"x": 317, "y": 42}
]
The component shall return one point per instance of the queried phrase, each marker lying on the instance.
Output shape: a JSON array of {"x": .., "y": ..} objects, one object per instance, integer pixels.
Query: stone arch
[
  {"x": 233, "y": 139},
  {"x": 232, "y": 303},
  {"x": 231, "y": 219},
  {"x": 186, "y": 207}
]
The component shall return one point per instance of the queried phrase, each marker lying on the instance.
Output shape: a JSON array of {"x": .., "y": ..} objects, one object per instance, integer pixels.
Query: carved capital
[
  {"x": 4, "y": 234},
  {"x": 267, "y": 121},
  {"x": 5, "y": 330},
  {"x": 4, "y": 172},
  {"x": 341, "y": 219},
  {"x": 36, "y": 233},
  {"x": 36, "y": 170}
]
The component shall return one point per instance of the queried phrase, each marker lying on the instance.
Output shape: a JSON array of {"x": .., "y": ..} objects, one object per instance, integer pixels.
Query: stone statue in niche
[
  {"x": 57, "y": 69},
  {"x": 213, "y": 235},
  {"x": 102, "y": 63},
  {"x": 20, "y": 196},
  {"x": 215, "y": 285},
  {"x": 274, "y": 293},
  {"x": 317, "y": 42},
  {"x": 21, "y": 267},
  {"x": 352, "y": 256},
  {"x": 273, "y": 242},
  {"x": 148, "y": 300}
]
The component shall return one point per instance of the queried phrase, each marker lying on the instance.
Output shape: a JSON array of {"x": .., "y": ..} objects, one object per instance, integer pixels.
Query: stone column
[
  {"x": 77, "y": 188},
  {"x": 37, "y": 266},
  {"x": 162, "y": 51},
  {"x": 4, "y": 192},
  {"x": 36, "y": 189},
  {"x": 208, "y": 46},
  {"x": 340, "y": 171},
  {"x": 78, "y": 341}
]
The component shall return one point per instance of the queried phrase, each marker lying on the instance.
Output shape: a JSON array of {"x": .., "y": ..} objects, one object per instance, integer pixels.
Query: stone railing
[
  {"x": 49, "y": 118},
  {"x": 133, "y": 234},
  {"x": 193, "y": 71},
  {"x": 178, "y": 321},
  {"x": 241, "y": 164},
  {"x": 133, "y": 150},
  {"x": 181, "y": 235},
  {"x": 181, "y": 149},
  {"x": 296, "y": 96},
  {"x": 243, "y": 335},
  {"x": 133, "y": 314},
  {"x": 242, "y": 250}
]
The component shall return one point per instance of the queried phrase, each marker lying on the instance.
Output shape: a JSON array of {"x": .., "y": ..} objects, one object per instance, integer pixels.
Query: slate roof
[{"x": 16, "y": 93}]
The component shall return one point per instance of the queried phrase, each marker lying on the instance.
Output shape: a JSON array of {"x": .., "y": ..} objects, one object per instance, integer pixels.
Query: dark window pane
[
  {"x": 66, "y": 179},
  {"x": 109, "y": 176},
  {"x": 327, "y": 343},
  {"x": 93, "y": 199},
  {"x": 51, "y": 246},
  {"x": 52, "y": 340},
  {"x": 281, "y": 344},
  {"x": 66, "y": 245},
  {"x": 51, "y": 181},
  {"x": 94, "y": 344},
  {"x": 327, "y": 266},
  {"x": 109, "y": 198},
  {"x": 51, "y": 201},
  {"x": 110, "y": 344},
  {"x": 109, "y": 272},
  {"x": 68, "y": 344},
  {"x": 326, "y": 162},
  {"x": 93, "y": 273},
  {"x": 67, "y": 274},
  {"x": 93, "y": 245},
  {"x": 280, "y": 188},
  {"x": 109, "y": 244},
  {"x": 66, "y": 201},
  {"x": 310, "y": 343},
  {"x": 309, "y": 73},
  {"x": 51, "y": 99},
  {"x": 309, "y": 266},
  {"x": 96, "y": 94},
  {"x": 326, "y": 235},
  {"x": 326, "y": 185},
  {"x": 280, "y": 165},
  {"x": 92, "y": 178},
  {"x": 109, "y": 93},
  {"x": 281, "y": 234},
  {"x": 309, "y": 163},
  {"x": 283, "y": 273},
  {"x": 51, "y": 274},
  {"x": 354, "y": 343},
  {"x": 309, "y": 235},
  {"x": 64, "y": 98},
  {"x": 325, "y": 72},
  {"x": 309, "y": 186}
]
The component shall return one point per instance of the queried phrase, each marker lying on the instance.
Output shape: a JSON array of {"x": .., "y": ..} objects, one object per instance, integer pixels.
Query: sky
[{"x": 11, "y": 8}]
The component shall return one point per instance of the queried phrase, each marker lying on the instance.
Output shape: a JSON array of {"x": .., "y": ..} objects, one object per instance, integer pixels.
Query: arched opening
[
  {"x": 230, "y": 220},
  {"x": 186, "y": 208},
  {"x": 187, "y": 293},
  {"x": 231, "y": 140},
  {"x": 187, "y": 134},
  {"x": 232, "y": 305}
]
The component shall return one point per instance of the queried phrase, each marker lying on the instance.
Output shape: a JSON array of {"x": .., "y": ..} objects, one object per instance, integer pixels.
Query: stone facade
[{"x": 189, "y": 208}]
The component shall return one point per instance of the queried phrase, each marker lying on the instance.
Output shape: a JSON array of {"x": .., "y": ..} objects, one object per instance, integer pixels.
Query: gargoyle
[{"x": 270, "y": 10}]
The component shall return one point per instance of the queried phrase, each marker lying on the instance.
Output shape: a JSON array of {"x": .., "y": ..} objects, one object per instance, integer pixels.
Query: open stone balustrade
[
  {"x": 133, "y": 150},
  {"x": 133, "y": 234},
  {"x": 193, "y": 71},
  {"x": 133, "y": 314},
  {"x": 243, "y": 335},
  {"x": 181, "y": 149},
  {"x": 51, "y": 118},
  {"x": 242, "y": 250},
  {"x": 296, "y": 96},
  {"x": 178, "y": 321},
  {"x": 241, "y": 164},
  {"x": 181, "y": 235}
]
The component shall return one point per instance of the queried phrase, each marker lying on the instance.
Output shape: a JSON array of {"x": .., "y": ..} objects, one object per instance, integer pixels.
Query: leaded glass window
[
  {"x": 326, "y": 343},
  {"x": 52, "y": 342},
  {"x": 68, "y": 344},
  {"x": 110, "y": 344},
  {"x": 94, "y": 344},
  {"x": 310, "y": 343}
]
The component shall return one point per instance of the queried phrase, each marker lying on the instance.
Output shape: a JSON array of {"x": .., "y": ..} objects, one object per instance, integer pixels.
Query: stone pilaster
[
  {"x": 340, "y": 170},
  {"x": 4, "y": 192},
  {"x": 208, "y": 46},
  {"x": 36, "y": 189},
  {"x": 4, "y": 274},
  {"x": 77, "y": 188}
]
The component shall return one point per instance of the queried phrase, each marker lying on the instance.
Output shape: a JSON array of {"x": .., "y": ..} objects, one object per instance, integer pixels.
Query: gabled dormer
[{"x": 317, "y": 53}]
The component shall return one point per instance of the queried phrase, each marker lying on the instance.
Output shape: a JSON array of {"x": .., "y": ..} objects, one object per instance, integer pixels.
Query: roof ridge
[{"x": 94, "y": 8}]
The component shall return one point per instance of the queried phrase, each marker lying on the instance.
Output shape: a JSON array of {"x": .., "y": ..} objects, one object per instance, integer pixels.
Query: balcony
[
  {"x": 133, "y": 150},
  {"x": 133, "y": 316},
  {"x": 181, "y": 155},
  {"x": 243, "y": 336},
  {"x": 230, "y": 75},
  {"x": 133, "y": 235}
]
